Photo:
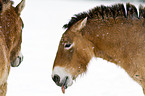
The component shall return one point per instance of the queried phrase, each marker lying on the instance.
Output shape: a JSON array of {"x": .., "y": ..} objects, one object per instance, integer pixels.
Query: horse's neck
[{"x": 114, "y": 42}]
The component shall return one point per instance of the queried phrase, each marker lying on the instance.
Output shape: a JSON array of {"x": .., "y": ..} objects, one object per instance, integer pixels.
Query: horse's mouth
[
  {"x": 64, "y": 85},
  {"x": 65, "y": 82}
]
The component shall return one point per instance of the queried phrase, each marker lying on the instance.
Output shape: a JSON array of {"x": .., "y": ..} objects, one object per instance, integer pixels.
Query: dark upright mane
[{"x": 104, "y": 12}]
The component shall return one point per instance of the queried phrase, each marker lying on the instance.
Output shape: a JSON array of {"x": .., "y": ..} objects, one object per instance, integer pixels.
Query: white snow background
[{"x": 43, "y": 21}]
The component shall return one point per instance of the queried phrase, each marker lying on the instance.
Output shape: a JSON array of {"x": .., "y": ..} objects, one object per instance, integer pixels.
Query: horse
[
  {"x": 115, "y": 33},
  {"x": 11, "y": 26}
]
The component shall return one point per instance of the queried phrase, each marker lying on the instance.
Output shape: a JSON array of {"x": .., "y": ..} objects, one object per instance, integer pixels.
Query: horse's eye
[{"x": 68, "y": 45}]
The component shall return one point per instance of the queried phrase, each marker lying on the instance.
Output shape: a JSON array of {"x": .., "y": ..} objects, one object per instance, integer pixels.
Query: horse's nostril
[{"x": 56, "y": 79}]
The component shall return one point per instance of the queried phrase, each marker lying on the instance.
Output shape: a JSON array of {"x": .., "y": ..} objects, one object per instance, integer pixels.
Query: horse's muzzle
[
  {"x": 62, "y": 77},
  {"x": 17, "y": 61},
  {"x": 56, "y": 79}
]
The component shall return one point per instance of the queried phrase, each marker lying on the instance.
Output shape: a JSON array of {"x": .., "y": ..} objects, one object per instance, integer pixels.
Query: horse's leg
[
  {"x": 4, "y": 69},
  {"x": 3, "y": 89},
  {"x": 138, "y": 76},
  {"x": 142, "y": 82},
  {"x": 143, "y": 86}
]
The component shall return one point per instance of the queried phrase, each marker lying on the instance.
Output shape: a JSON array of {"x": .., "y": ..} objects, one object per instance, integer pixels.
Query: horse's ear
[
  {"x": 79, "y": 25},
  {"x": 20, "y": 6}
]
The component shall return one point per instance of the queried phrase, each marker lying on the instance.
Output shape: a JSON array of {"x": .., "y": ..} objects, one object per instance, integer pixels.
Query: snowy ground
[{"x": 43, "y": 21}]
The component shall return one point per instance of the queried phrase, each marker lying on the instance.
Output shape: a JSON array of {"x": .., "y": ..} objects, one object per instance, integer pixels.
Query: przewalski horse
[
  {"x": 10, "y": 39},
  {"x": 113, "y": 33}
]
